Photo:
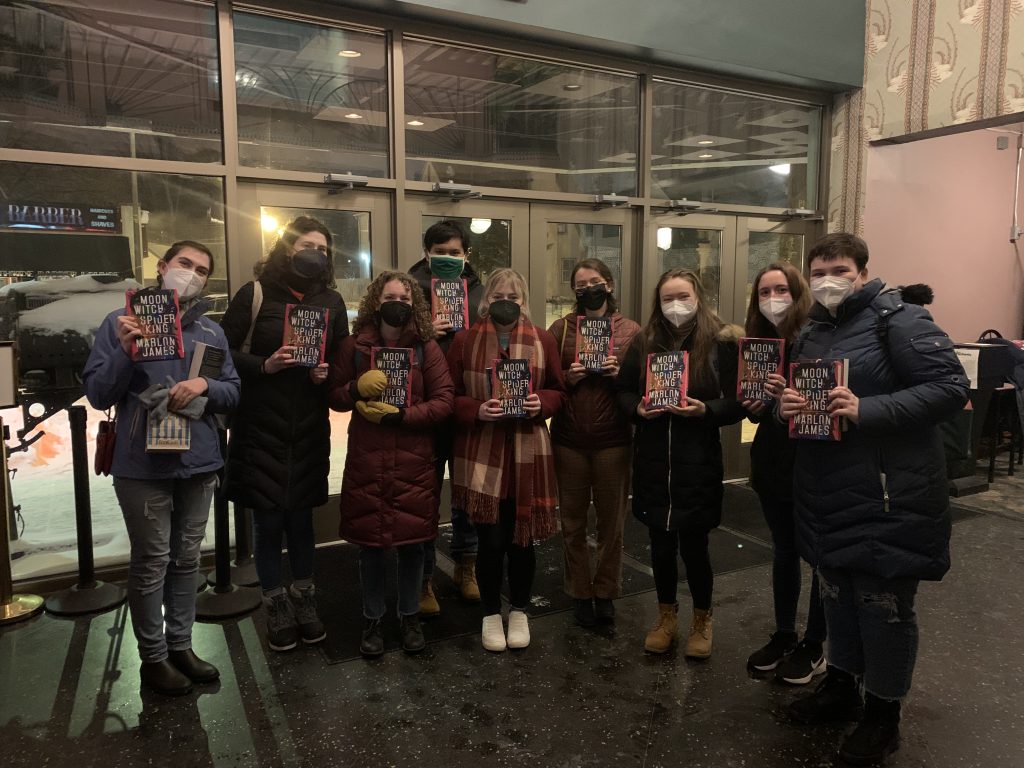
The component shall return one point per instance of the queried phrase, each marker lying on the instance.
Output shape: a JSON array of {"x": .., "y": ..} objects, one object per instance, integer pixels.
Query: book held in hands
[
  {"x": 511, "y": 384},
  {"x": 305, "y": 328},
  {"x": 448, "y": 301},
  {"x": 159, "y": 318},
  {"x": 207, "y": 361},
  {"x": 759, "y": 358},
  {"x": 396, "y": 364},
  {"x": 814, "y": 379},
  {"x": 667, "y": 377},
  {"x": 593, "y": 342}
]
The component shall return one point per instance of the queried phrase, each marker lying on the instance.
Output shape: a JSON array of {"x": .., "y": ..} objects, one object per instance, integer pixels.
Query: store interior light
[
  {"x": 664, "y": 238},
  {"x": 415, "y": 123},
  {"x": 354, "y": 116},
  {"x": 705, "y": 156},
  {"x": 782, "y": 169},
  {"x": 348, "y": 53},
  {"x": 706, "y": 141},
  {"x": 269, "y": 223},
  {"x": 571, "y": 87},
  {"x": 479, "y": 226}
]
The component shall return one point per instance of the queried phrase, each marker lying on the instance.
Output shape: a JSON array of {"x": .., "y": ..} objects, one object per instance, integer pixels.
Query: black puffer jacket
[
  {"x": 877, "y": 501},
  {"x": 677, "y": 460},
  {"x": 279, "y": 454},
  {"x": 772, "y": 453}
]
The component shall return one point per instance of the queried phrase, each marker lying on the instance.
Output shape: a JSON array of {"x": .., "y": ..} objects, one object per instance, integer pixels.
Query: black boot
[
  {"x": 163, "y": 677},
  {"x": 194, "y": 668},
  {"x": 836, "y": 699},
  {"x": 583, "y": 611},
  {"x": 412, "y": 634},
  {"x": 372, "y": 644},
  {"x": 876, "y": 736}
]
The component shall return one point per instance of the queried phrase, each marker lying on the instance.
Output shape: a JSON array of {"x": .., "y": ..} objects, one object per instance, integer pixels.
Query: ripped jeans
[
  {"x": 872, "y": 629},
  {"x": 166, "y": 521}
]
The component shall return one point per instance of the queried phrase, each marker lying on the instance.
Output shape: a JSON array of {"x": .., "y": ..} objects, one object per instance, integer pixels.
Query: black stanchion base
[
  {"x": 201, "y": 582},
  {"x": 242, "y": 575},
  {"x": 212, "y": 605},
  {"x": 78, "y": 601}
]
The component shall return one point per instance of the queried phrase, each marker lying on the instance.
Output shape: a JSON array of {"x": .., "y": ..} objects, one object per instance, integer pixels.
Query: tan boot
[
  {"x": 663, "y": 633},
  {"x": 465, "y": 579},
  {"x": 428, "y": 603},
  {"x": 698, "y": 644}
]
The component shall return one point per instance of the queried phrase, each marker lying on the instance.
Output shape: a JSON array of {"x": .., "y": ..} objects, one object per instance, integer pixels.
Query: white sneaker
[
  {"x": 518, "y": 630},
  {"x": 493, "y": 633}
]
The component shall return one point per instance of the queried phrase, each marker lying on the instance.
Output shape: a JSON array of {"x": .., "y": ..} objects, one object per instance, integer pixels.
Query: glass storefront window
[
  {"x": 495, "y": 120},
  {"x": 698, "y": 250},
  {"x": 567, "y": 243},
  {"x": 310, "y": 97},
  {"x": 58, "y": 226},
  {"x": 716, "y": 146},
  {"x": 134, "y": 79},
  {"x": 490, "y": 241}
]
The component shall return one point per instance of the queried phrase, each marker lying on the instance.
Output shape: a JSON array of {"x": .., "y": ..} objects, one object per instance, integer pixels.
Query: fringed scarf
[{"x": 480, "y": 452}]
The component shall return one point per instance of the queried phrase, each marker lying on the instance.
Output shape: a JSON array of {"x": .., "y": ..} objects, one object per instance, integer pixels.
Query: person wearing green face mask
[{"x": 445, "y": 256}]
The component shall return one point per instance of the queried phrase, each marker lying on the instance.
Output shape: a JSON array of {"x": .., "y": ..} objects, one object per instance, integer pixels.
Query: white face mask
[
  {"x": 831, "y": 291},
  {"x": 678, "y": 312},
  {"x": 775, "y": 308},
  {"x": 186, "y": 282}
]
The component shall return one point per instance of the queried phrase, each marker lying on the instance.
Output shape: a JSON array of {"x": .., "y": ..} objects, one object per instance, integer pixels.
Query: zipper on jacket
[
  {"x": 885, "y": 492},
  {"x": 668, "y": 517}
]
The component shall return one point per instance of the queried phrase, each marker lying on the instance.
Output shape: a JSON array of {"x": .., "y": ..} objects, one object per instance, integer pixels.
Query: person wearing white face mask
[
  {"x": 677, "y": 458},
  {"x": 872, "y": 510},
  {"x": 779, "y": 302},
  {"x": 165, "y": 497}
]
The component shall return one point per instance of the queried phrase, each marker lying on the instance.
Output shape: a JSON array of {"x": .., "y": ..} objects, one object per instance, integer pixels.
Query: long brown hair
[
  {"x": 368, "y": 316},
  {"x": 275, "y": 266},
  {"x": 705, "y": 330},
  {"x": 611, "y": 305},
  {"x": 759, "y": 326}
]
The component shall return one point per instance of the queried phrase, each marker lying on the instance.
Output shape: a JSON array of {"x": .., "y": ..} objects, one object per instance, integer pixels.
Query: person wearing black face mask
[
  {"x": 592, "y": 439},
  {"x": 504, "y": 467},
  {"x": 389, "y": 489},
  {"x": 280, "y": 439}
]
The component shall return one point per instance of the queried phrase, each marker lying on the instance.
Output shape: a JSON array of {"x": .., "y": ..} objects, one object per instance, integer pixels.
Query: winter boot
[
  {"x": 663, "y": 633},
  {"x": 698, "y": 644},
  {"x": 282, "y": 629},
  {"x": 876, "y": 736},
  {"x": 311, "y": 629},
  {"x": 835, "y": 700},
  {"x": 412, "y": 634},
  {"x": 465, "y": 579},
  {"x": 429, "y": 607}
]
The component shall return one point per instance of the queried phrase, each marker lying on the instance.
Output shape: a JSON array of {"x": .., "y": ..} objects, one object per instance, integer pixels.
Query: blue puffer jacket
[
  {"x": 111, "y": 378},
  {"x": 877, "y": 501}
]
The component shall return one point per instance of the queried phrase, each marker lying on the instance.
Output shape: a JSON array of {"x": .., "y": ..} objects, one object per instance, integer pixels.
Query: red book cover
[
  {"x": 396, "y": 363},
  {"x": 159, "y": 318},
  {"x": 667, "y": 377},
  {"x": 449, "y": 301},
  {"x": 511, "y": 384},
  {"x": 758, "y": 359},
  {"x": 593, "y": 342},
  {"x": 814, "y": 379},
  {"x": 305, "y": 328}
]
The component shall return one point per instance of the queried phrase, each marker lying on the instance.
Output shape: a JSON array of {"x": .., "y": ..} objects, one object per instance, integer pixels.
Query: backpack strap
[{"x": 257, "y": 302}]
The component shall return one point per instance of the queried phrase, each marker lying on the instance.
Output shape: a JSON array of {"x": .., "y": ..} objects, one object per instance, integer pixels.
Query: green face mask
[{"x": 446, "y": 267}]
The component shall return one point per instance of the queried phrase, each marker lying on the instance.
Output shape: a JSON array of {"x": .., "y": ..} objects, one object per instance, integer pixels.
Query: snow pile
[
  {"x": 80, "y": 313},
  {"x": 79, "y": 284}
]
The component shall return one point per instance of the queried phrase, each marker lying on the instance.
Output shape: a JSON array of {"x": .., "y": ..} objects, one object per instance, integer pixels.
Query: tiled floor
[{"x": 70, "y": 691}]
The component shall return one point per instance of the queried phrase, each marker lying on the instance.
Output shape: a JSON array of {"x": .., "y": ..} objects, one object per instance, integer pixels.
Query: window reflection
[
  {"x": 567, "y": 244},
  {"x": 490, "y": 242},
  {"x": 698, "y": 250}
]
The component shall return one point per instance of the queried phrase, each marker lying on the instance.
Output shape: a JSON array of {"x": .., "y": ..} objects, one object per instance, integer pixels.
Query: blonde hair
[{"x": 505, "y": 274}]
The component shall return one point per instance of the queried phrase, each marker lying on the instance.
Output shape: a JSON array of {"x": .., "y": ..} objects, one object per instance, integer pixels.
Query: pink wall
[{"x": 939, "y": 211}]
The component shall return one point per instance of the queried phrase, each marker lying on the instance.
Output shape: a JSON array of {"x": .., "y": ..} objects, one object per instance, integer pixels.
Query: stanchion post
[
  {"x": 13, "y": 607},
  {"x": 88, "y": 595}
]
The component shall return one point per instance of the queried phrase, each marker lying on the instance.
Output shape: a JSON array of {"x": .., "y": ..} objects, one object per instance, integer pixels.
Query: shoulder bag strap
[{"x": 257, "y": 302}]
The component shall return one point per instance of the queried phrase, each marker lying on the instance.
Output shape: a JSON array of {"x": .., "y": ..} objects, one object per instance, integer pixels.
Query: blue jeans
[
  {"x": 464, "y": 536},
  {"x": 373, "y": 563},
  {"x": 269, "y": 529},
  {"x": 872, "y": 629},
  {"x": 786, "y": 578},
  {"x": 166, "y": 522}
]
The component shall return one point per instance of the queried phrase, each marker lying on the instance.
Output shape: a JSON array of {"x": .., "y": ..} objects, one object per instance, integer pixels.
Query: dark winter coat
[
  {"x": 279, "y": 454},
  {"x": 772, "y": 453},
  {"x": 877, "y": 501},
  {"x": 677, "y": 460},
  {"x": 389, "y": 490},
  {"x": 591, "y": 418}
]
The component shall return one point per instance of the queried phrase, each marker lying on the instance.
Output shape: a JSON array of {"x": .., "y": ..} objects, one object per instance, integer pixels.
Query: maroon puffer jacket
[
  {"x": 591, "y": 417},
  {"x": 388, "y": 491}
]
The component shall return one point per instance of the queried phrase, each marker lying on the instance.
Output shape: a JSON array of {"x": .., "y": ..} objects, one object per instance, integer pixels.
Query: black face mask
[
  {"x": 593, "y": 297},
  {"x": 504, "y": 312},
  {"x": 309, "y": 264},
  {"x": 396, "y": 313}
]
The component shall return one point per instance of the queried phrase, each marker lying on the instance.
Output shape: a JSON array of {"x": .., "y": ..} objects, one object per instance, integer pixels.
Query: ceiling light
[
  {"x": 790, "y": 121},
  {"x": 664, "y": 238},
  {"x": 354, "y": 116},
  {"x": 479, "y": 226},
  {"x": 349, "y": 54},
  {"x": 705, "y": 156},
  {"x": 571, "y": 87},
  {"x": 782, "y": 169},
  {"x": 706, "y": 141},
  {"x": 415, "y": 123},
  {"x": 268, "y": 223}
]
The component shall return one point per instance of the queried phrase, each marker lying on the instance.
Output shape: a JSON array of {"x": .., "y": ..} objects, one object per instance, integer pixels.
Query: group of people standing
[{"x": 869, "y": 512}]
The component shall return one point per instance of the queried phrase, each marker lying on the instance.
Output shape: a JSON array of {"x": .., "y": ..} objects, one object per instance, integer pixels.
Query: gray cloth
[{"x": 156, "y": 397}]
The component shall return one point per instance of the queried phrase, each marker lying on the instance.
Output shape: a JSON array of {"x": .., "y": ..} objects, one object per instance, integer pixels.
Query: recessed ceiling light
[
  {"x": 348, "y": 53},
  {"x": 354, "y": 116},
  {"x": 415, "y": 122},
  {"x": 705, "y": 155},
  {"x": 790, "y": 121},
  {"x": 706, "y": 141},
  {"x": 571, "y": 87}
]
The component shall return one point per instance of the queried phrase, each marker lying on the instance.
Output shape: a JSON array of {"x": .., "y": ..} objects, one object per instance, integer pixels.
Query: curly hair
[{"x": 369, "y": 306}]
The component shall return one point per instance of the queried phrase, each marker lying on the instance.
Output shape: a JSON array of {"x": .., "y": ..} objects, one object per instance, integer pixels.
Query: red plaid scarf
[{"x": 480, "y": 458}]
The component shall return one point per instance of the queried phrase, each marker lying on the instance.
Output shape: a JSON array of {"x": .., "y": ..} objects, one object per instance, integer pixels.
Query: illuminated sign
[{"x": 78, "y": 218}]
